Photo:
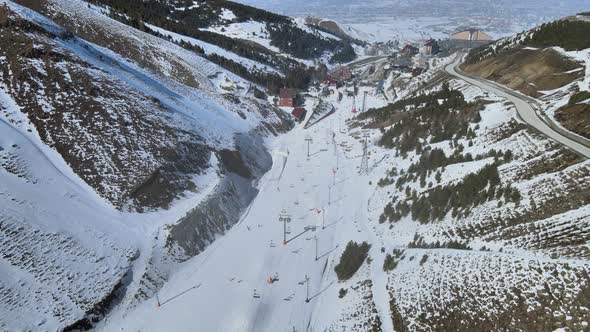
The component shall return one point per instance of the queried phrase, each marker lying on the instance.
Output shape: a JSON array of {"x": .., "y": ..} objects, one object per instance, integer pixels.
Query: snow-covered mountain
[
  {"x": 147, "y": 182},
  {"x": 105, "y": 144},
  {"x": 462, "y": 208},
  {"x": 266, "y": 48}
]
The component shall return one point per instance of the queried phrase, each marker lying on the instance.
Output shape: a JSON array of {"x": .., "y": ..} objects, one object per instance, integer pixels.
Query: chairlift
[{"x": 273, "y": 278}]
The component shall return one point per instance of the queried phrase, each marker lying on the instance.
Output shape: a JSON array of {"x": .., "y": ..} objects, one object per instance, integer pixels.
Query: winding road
[{"x": 525, "y": 107}]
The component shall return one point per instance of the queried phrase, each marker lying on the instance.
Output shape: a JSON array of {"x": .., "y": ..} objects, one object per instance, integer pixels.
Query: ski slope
[{"x": 215, "y": 290}]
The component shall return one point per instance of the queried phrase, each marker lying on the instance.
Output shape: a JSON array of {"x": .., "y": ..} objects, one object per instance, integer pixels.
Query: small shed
[
  {"x": 379, "y": 87},
  {"x": 329, "y": 81},
  {"x": 299, "y": 114}
]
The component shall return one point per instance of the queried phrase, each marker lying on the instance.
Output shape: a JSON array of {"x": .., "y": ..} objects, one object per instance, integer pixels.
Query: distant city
[{"x": 422, "y": 19}]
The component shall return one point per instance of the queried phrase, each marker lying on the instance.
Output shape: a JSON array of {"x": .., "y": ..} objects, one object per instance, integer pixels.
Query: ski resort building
[
  {"x": 341, "y": 73},
  {"x": 288, "y": 97},
  {"x": 299, "y": 114},
  {"x": 471, "y": 35},
  {"x": 430, "y": 47},
  {"x": 409, "y": 51}
]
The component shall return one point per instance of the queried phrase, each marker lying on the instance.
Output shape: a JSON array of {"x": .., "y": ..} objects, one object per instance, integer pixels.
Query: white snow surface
[
  {"x": 214, "y": 291},
  {"x": 250, "y": 30},
  {"x": 226, "y": 274},
  {"x": 214, "y": 49},
  {"x": 64, "y": 248}
]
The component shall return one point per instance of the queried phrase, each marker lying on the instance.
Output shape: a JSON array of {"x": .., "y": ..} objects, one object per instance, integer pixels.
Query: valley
[{"x": 210, "y": 166}]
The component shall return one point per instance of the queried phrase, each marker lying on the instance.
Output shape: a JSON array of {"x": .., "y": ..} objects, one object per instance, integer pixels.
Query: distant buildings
[
  {"x": 471, "y": 35},
  {"x": 341, "y": 74},
  {"x": 430, "y": 47},
  {"x": 288, "y": 97},
  {"x": 409, "y": 51}
]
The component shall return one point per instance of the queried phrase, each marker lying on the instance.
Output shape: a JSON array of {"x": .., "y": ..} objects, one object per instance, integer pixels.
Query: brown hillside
[
  {"x": 527, "y": 70},
  {"x": 575, "y": 118}
]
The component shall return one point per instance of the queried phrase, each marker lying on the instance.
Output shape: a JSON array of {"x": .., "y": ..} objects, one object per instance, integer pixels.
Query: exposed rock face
[{"x": 232, "y": 195}]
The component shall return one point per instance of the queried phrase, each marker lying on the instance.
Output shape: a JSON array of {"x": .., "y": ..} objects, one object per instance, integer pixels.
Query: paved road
[{"x": 525, "y": 107}]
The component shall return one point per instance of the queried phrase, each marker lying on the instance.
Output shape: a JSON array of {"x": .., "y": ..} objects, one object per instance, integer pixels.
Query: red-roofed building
[
  {"x": 299, "y": 113},
  {"x": 288, "y": 97}
]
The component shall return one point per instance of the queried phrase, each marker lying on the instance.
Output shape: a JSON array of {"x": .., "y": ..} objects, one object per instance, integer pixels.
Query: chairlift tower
[
  {"x": 364, "y": 169},
  {"x": 364, "y": 101},
  {"x": 284, "y": 218},
  {"x": 307, "y": 299},
  {"x": 309, "y": 140},
  {"x": 316, "y": 247}
]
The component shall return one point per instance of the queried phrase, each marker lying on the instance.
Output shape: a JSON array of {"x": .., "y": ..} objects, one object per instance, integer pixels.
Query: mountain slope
[
  {"x": 176, "y": 89},
  {"x": 275, "y": 41},
  {"x": 549, "y": 63},
  {"x": 104, "y": 150},
  {"x": 142, "y": 183},
  {"x": 461, "y": 209}
]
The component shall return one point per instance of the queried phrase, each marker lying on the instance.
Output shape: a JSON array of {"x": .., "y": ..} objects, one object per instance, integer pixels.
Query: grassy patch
[{"x": 579, "y": 97}]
